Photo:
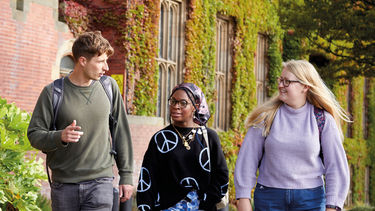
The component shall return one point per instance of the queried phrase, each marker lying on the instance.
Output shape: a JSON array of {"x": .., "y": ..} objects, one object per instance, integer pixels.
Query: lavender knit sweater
[{"x": 291, "y": 156}]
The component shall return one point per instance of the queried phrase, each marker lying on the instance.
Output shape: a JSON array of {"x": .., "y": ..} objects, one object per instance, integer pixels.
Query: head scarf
[{"x": 202, "y": 114}]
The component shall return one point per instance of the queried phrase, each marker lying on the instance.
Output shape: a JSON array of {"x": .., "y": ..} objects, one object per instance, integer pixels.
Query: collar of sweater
[{"x": 291, "y": 110}]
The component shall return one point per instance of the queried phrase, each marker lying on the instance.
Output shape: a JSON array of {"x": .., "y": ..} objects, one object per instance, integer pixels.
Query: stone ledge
[{"x": 145, "y": 120}]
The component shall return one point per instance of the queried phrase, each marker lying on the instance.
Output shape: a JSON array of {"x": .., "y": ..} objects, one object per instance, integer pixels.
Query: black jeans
[{"x": 95, "y": 194}]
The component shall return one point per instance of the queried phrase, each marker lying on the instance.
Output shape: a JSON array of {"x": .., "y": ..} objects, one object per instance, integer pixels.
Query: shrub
[{"x": 20, "y": 171}]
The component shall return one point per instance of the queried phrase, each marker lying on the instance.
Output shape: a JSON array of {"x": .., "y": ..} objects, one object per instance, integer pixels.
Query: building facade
[{"x": 231, "y": 49}]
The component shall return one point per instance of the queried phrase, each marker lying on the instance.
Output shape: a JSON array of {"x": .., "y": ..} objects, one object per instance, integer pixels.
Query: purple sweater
[{"x": 291, "y": 156}]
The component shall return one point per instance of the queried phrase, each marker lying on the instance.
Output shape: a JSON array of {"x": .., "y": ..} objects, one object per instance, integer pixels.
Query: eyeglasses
[
  {"x": 174, "y": 102},
  {"x": 286, "y": 82}
]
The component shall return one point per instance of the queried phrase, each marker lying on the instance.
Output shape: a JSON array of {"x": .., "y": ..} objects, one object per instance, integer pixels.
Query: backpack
[{"x": 320, "y": 120}]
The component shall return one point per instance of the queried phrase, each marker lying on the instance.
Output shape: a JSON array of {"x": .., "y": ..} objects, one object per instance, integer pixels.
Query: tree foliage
[
  {"x": 343, "y": 30},
  {"x": 20, "y": 172}
]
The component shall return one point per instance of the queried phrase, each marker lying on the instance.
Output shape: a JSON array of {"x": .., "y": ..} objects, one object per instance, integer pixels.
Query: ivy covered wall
[
  {"x": 135, "y": 28},
  {"x": 250, "y": 18}
]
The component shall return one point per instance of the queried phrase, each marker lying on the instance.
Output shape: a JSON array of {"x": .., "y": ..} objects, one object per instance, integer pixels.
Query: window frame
[
  {"x": 261, "y": 72},
  {"x": 223, "y": 69},
  {"x": 170, "y": 56}
]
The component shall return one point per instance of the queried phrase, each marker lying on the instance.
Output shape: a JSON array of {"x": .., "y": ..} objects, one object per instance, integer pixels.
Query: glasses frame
[
  {"x": 174, "y": 102},
  {"x": 286, "y": 82}
]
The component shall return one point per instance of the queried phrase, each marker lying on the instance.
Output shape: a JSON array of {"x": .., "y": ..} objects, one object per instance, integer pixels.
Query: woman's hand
[
  {"x": 244, "y": 205},
  {"x": 330, "y": 209}
]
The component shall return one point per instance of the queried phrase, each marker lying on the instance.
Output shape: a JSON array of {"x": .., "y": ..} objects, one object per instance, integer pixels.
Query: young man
[{"x": 78, "y": 151}]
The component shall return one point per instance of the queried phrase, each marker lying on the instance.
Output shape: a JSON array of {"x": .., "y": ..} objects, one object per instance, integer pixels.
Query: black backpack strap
[
  {"x": 107, "y": 85},
  {"x": 57, "y": 95},
  {"x": 320, "y": 120}
]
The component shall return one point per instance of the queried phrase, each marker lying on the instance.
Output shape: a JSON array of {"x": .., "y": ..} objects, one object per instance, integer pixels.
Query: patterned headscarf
[{"x": 202, "y": 114}]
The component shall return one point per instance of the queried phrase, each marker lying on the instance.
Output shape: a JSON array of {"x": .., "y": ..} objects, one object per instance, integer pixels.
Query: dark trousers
[{"x": 89, "y": 195}]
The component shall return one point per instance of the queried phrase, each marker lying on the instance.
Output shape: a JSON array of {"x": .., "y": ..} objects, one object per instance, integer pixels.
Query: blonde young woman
[{"x": 284, "y": 141}]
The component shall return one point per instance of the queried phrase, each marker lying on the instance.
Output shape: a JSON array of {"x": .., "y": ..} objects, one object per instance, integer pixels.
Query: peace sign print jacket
[{"x": 169, "y": 171}]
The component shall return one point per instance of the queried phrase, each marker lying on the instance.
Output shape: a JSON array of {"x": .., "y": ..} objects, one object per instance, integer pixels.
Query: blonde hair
[{"x": 318, "y": 95}]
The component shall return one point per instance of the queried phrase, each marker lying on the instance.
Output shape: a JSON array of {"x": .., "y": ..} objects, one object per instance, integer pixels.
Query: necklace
[{"x": 188, "y": 138}]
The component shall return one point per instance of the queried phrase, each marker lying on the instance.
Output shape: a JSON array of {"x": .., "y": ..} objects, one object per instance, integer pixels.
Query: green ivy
[
  {"x": 141, "y": 47},
  {"x": 275, "y": 65},
  {"x": 20, "y": 171}
]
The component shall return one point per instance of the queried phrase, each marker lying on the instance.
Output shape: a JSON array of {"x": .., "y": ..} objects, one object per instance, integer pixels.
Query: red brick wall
[{"x": 29, "y": 42}]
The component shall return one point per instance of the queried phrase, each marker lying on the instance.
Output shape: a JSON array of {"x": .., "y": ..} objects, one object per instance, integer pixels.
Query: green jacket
[{"x": 90, "y": 157}]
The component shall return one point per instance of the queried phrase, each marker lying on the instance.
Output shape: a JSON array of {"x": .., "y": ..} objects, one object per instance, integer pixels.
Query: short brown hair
[{"x": 90, "y": 44}]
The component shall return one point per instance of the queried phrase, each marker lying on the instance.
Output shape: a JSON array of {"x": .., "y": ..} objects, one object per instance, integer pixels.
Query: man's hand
[
  {"x": 69, "y": 134},
  {"x": 125, "y": 191}
]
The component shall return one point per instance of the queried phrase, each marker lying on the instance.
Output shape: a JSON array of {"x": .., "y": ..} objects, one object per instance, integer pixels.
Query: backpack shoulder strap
[
  {"x": 57, "y": 95},
  {"x": 107, "y": 85},
  {"x": 205, "y": 137},
  {"x": 320, "y": 120}
]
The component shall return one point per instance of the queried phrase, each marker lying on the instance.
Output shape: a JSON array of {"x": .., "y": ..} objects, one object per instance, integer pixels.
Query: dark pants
[
  {"x": 89, "y": 195},
  {"x": 276, "y": 199}
]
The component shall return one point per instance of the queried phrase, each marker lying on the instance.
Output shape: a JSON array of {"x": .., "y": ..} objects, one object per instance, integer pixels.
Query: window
[
  {"x": 261, "y": 68},
  {"x": 170, "y": 56},
  {"x": 19, "y": 5},
  {"x": 224, "y": 37},
  {"x": 66, "y": 65}
]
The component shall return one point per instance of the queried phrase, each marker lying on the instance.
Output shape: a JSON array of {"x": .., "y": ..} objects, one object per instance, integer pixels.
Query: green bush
[
  {"x": 43, "y": 203},
  {"x": 20, "y": 171}
]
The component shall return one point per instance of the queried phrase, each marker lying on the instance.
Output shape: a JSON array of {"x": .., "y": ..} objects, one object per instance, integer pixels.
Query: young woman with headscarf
[{"x": 179, "y": 172}]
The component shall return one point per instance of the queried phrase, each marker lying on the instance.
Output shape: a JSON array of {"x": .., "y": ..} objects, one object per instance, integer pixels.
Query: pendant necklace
[{"x": 188, "y": 138}]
